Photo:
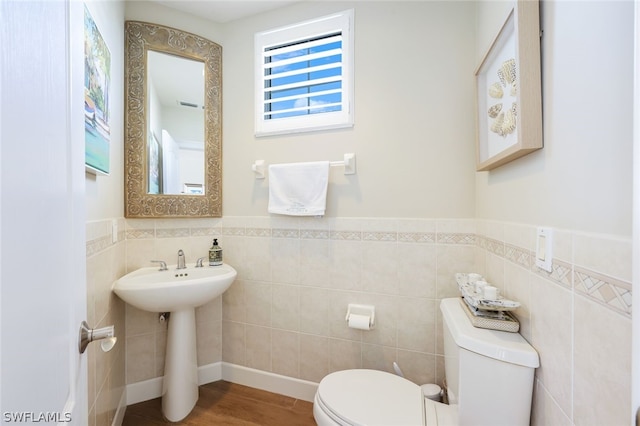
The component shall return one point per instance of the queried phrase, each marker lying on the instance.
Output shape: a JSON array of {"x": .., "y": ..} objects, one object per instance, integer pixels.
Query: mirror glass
[{"x": 173, "y": 119}]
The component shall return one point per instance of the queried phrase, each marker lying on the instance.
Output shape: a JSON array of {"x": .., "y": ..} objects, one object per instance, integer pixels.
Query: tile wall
[
  {"x": 285, "y": 312},
  {"x": 578, "y": 317},
  {"x": 106, "y": 371}
]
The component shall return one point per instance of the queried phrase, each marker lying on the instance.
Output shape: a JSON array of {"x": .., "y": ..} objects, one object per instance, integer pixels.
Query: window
[{"x": 304, "y": 76}]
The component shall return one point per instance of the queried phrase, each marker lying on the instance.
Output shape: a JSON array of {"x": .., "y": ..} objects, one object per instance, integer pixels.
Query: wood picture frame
[{"x": 509, "y": 91}]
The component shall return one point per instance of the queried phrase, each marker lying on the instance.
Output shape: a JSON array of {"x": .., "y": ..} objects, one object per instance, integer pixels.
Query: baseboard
[
  {"x": 276, "y": 383},
  {"x": 264, "y": 380},
  {"x": 122, "y": 406},
  {"x": 210, "y": 373},
  {"x": 144, "y": 391}
]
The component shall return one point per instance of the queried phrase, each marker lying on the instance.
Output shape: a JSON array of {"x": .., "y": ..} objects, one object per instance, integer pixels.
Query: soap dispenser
[{"x": 215, "y": 254}]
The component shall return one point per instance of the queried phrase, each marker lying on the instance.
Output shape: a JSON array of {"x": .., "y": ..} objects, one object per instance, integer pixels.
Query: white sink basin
[
  {"x": 178, "y": 291},
  {"x": 167, "y": 291}
]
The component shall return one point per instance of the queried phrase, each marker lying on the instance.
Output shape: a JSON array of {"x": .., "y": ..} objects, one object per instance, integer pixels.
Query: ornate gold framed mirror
[{"x": 173, "y": 123}]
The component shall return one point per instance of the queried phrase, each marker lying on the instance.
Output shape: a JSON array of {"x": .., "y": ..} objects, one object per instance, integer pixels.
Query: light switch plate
[{"x": 544, "y": 248}]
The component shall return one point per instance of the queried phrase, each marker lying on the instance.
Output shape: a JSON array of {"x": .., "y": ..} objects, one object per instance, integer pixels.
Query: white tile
[
  {"x": 607, "y": 255},
  {"x": 602, "y": 359}
]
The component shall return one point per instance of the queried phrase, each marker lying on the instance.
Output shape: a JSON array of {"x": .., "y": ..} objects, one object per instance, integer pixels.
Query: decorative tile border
[
  {"x": 417, "y": 237},
  {"x": 494, "y": 246},
  {"x": 323, "y": 234},
  {"x": 346, "y": 235},
  {"x": 561, "y": 273},
  {"x": 255, "y": 232},
  {"x": 99, "y": 236},
  {"x": 314, "y": 234},
  {"x": 233, "y": 231},
  {"x": 454, "y": 238},
  {"x": 518, "y": 255},
  {"x": 379, "y": 236},
  {"x": 204, "y": 232},
  {"x": 140, "y": 234},
  {"x": 607, "y": 291},
  {"x": 97, "y": 245},
  {"x": 285, "y": 233},
  {"x": 610, "y": 292},
  {"x": 173, "y": 232}
]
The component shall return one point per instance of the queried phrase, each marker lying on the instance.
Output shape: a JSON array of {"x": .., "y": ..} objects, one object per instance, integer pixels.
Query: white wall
[
  {"x": 414, "y": 140},
  {"x": 140, "y": 10},
  {"x": 412, "y": 137},
  {"x": 184, "y": 123},
  {"x": 105, "y": 195},
  {"x": 578, "y": 316},
  {"x": 414, "y": 145},
  {"x": 105, "y": 257},
  {"x": 635, "y": 400},
  {"x": 411, "y": 133},
  {"x": 581, "y": 179},
  {"x": 156, "y": 112}
]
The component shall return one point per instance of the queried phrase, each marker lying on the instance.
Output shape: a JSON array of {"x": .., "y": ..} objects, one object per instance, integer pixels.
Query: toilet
[{"x": 489, "y": 376}]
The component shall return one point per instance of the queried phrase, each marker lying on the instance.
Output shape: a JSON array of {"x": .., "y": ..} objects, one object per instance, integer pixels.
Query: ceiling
[
  {"x": 172, "y": 90},
  {"x": 176, "y": 79},
  {"x": 222, "y": 11}
]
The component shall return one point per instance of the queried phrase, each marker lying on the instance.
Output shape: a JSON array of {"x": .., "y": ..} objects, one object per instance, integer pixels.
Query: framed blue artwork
[{"x": 97, "y": 81}]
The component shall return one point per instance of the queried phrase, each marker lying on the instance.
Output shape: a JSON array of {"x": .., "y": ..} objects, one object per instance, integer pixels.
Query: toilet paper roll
[
  {"x": 474, "y": 277},
  {"x": 490, "y": 292},
  {"x": 480, "y": 285},
  {"x": 360, "y": 322}
]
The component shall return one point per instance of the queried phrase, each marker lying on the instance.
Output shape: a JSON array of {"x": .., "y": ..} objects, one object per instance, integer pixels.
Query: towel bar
[
  {"x": 258, "y": 168},
  {"x": 349, "y": 163}
]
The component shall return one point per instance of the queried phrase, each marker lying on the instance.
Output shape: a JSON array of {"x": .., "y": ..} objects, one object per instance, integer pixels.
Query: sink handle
[
  {"x": 199, "y": 262},
  {"x": 163, "y": 265}
]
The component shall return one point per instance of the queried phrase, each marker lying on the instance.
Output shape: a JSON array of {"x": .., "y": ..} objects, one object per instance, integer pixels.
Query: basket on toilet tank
[{"x": 486, "y": 312}]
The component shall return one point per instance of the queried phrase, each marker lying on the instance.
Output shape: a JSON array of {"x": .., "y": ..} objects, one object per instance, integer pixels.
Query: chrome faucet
[
  {"x": 181, "y": 262},
  {"x": 162, "y": 263}
]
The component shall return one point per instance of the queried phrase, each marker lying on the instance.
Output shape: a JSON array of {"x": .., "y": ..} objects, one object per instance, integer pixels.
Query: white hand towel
[{"x": 298, "y": 189}]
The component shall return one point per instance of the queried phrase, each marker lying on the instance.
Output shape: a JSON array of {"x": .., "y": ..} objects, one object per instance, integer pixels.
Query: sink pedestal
[
  {"x": 180, "y": 384},
  {"x": 178, "y": 291}
]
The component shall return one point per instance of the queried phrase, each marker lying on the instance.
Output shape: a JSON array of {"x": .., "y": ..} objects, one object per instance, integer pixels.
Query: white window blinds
[{"x": 304, "y": 76}]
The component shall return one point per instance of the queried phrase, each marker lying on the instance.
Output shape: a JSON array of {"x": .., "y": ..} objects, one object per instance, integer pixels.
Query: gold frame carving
[
  {"x": 509, "y": 91},
  {"x": 139, "y": 38}
]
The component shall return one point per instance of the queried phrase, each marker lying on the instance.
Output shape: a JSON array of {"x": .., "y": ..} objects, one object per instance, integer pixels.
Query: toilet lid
[{"x": 371, "y": 397}]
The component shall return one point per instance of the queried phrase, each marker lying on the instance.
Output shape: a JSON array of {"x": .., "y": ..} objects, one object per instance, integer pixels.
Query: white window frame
[{"x": 340, "y": 22}]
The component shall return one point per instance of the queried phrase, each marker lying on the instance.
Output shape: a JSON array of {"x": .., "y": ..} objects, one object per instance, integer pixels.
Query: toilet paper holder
[{"x": 362, "y": 310}]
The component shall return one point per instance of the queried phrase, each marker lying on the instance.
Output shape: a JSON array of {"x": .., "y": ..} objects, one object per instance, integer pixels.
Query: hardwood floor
[{"x": 225, "y": 403}]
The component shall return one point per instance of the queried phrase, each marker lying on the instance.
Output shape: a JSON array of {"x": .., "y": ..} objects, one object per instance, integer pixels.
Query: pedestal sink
[{"x": 178, "y": 291}]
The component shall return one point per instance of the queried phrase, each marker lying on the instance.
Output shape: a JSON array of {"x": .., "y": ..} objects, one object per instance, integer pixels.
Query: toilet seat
[{"x": 369, "y": 397}]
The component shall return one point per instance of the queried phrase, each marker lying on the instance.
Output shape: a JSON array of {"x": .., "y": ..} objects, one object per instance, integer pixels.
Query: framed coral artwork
[{"x": 508, "y": 83}]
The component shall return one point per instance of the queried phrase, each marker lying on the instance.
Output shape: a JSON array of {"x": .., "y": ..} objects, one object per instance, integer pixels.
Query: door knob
[{"x": 88, "y": 335}]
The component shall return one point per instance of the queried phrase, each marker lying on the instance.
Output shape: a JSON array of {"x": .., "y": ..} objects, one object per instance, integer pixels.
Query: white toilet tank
[{"x": 489, "y": 373}]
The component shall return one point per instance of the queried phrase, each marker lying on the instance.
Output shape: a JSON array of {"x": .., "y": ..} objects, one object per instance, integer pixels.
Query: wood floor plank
[{"x": 225, "y": 403}]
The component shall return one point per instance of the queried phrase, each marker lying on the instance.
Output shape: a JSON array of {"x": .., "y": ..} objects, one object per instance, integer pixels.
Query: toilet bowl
[
  {"x": 372, "y": 397},
  {"x": 489, "y": 373}
]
